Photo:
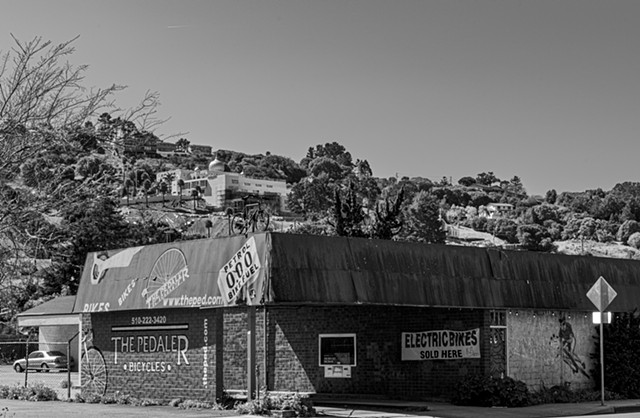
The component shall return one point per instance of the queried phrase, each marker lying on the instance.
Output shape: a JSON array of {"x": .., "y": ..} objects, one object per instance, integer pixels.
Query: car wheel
[
  {"x": 44, "y": 367},
  {"x": 18, "y": 368}
]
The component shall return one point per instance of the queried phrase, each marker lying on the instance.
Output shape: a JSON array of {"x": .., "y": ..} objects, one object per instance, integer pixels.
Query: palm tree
[
  {"x": 128, "y": 183},
  {"x": 180, "y": 187},
  {"x": 208, "y": 224},
  {"x": 146, "y": 185},
  {"x": 195, "y": 194},
  {"x": 163, "y": 189}
]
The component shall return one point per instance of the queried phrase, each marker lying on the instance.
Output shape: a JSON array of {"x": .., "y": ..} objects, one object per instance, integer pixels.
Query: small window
[
  {"x": 498, "y": 319},
  {"x": 337, "y": 349},
  {"x": 234, "y": 181}
]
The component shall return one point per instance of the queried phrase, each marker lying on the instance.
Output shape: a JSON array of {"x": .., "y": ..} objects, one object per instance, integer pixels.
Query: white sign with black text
[{"x": 441, "y": 345}]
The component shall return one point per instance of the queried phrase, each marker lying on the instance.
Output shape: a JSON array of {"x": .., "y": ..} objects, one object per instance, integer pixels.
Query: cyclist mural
[{"x": 567, "y": 348}]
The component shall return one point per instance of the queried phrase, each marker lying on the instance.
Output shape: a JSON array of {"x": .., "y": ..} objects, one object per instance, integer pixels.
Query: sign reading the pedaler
[
  {"x": 441, "y": 345},
  {"x": 242, "y": 269}
]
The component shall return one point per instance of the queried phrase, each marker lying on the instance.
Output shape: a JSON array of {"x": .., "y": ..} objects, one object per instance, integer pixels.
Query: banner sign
[
  {"x": 207, "y": 272},
  {"x": 441, "y": 345},
  {"x": 243, "y": 268}
]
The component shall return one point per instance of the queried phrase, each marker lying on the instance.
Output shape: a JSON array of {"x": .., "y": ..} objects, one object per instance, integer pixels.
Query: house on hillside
[
  {"x": 340, "y": 316},
  {"x": 222, "y": 189},
  {"x": 497, "y": 210}
]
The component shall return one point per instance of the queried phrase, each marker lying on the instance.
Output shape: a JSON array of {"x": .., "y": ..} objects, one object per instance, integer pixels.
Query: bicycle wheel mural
[
  {"x": 93, "y": 368},
  {"x": 168, "y": 272}
]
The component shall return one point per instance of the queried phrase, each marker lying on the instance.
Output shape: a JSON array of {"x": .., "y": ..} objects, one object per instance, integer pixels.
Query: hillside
[{"x": 597, "y": 249}]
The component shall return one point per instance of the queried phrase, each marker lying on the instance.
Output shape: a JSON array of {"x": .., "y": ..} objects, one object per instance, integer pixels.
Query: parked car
[{"x": 43, "y": 361}]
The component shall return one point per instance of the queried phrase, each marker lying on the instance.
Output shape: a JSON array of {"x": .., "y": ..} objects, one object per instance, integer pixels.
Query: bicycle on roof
[{"x": 254, "y": 217}]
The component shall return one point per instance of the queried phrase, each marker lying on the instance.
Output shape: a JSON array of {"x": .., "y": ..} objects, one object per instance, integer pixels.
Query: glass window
[{"x": 337, "y": 349}]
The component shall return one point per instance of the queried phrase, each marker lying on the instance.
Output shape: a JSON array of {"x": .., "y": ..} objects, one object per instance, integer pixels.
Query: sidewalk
[
  {"x": 59, "y": 409},
  {"x": 446, "y": 410}
]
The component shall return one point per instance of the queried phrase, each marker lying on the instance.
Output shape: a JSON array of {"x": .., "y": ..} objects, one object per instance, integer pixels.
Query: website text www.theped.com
[{"x": 185, "y": 300}]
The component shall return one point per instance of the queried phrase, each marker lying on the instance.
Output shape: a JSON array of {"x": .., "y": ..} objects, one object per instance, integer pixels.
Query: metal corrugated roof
[{"x": 316, "y": 269}]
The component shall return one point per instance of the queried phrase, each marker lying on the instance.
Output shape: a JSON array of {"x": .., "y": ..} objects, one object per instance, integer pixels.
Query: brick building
[{"x": 337, "y": 316}]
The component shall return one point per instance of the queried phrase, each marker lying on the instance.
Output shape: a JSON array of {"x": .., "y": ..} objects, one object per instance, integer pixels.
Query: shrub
[
  {"x": 626, "y": 230},
  {"x": 191, "y": 404},
  {"x": 175, "y": 402},
  {"x": 634, "y": 240},
  {"x": 254, "y": 407},
  {"x": 621, "y": 355},
  {"x": 36, "y": 392},
  {"x": 564, "y": 394},
  {"x": 490, "y": 391},
  {"x": 301, "y": 405}
]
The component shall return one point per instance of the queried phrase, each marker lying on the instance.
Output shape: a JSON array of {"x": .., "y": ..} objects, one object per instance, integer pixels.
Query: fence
[{"x": 48, "y": 363}]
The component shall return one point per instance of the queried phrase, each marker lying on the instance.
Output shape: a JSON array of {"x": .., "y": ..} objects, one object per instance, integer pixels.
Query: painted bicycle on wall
[{"x": 93, "y": 369}]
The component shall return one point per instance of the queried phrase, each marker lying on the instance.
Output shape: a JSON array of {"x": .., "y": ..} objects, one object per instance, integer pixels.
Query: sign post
[{"x": 601, "y": 295}]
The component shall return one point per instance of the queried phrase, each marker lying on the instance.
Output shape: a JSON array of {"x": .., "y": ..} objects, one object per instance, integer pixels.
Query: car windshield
[{"x": 55, "y": 353}]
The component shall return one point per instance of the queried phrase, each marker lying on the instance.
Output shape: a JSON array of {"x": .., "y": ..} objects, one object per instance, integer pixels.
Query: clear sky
[{"x": 545, "y": 90}]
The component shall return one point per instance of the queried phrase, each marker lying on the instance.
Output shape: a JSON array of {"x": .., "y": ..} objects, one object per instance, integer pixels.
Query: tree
[
  {"x": 208, "y": 224},
  {"x": 466, "y": 181},
  {"x": 621, "y": 340},
  {"x": 348, "y": 216},
  {"x": 388, "y": 218},
  {"x": 282, "y": 167},
  {"x": 422, "y": 220},
  {"x": 503, "y": 228},
  {"x": 364, "y": 169},
  {"x": 45, "y": 135},
  {"x": 626, "y": 230},
  {"x": 534, "y": 237},
  {"x": 327, "y": 166},
  {"x": 551, "y": 196},
  {"x": 540, "y": 213},
  {"x": 146, "y": 185},
  {"x": 634, "y": 240},
  {"x": 487, "y": 179},
  {"x": 180, "y": 188},
  {"x": 195, "y": 194},
  {"x": 333, "y": 151},
  {"x": 163, "y": 189},
  {"x": 312, "y": 197},
  {"x": 182, "y": 144},
  {"x": 128, "y": 185},
  {"x": 37, "y": 88}
]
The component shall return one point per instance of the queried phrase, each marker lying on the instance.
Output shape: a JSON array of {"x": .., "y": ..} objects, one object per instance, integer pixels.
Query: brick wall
[
  {"x": 139, "y": 366},
  {"x": 159, "y": 354},
  {"x": 292, "y": 336}
]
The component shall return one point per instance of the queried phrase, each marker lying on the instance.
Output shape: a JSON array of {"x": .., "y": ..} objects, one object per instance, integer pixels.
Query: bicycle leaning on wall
[{"x": 254, "y": 217}]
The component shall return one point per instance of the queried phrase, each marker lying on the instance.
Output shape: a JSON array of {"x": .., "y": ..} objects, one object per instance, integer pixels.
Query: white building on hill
[{"x": 222, "y": 189}]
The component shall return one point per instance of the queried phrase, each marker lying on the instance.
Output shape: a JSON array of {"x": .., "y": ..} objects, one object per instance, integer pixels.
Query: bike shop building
[{"x": 336, "y": 315}]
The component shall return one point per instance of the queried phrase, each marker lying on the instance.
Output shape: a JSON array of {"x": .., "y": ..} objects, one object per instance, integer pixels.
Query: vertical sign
[
  {"x": 601, "y": 295},
  {"x": 241, "y": 269}
]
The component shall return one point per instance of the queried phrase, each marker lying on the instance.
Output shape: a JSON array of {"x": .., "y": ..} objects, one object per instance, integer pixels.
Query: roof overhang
[{"x": 49, "y": 320}]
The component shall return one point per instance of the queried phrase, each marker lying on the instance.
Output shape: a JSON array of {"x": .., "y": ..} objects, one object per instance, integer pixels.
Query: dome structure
[{"x": 216, "y": 166}]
